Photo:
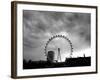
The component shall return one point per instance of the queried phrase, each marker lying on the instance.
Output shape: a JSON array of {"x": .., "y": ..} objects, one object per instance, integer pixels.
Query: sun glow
[{"x": 63, "y": 33}]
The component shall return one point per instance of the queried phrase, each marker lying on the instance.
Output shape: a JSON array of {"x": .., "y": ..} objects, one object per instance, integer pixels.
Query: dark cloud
[{"x": 39, "y": 26}]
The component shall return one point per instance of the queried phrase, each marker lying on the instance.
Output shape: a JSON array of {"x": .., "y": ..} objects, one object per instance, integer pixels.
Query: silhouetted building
[
  {"x": 79, "y": 61},
  {"x": 50, "y": 56}
]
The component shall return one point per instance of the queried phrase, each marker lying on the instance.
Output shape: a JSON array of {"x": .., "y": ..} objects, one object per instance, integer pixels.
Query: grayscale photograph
[
  {"x": 51, "y": 39},
  {"x": 54, "y": 39}
]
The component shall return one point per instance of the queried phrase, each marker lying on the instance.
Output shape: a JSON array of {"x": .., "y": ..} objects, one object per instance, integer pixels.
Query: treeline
[{"x": 69, "y": 62}]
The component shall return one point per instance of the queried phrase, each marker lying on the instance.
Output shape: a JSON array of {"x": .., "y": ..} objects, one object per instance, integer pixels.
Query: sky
[{"x": 40, "y": 26}]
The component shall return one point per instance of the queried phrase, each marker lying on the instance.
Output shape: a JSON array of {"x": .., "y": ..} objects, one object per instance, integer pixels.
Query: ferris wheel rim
[{"x": 61, "y": 36}]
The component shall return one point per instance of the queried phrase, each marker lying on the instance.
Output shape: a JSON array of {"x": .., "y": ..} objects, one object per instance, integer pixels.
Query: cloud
[{"x": 39, "y": 26}]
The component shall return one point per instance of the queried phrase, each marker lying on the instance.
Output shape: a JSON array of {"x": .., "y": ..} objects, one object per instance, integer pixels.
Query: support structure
[{"x": 59, "y": 55}]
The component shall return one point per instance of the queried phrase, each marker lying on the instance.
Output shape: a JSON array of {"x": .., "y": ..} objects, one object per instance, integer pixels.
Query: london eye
[{"x": 57, "y": 48}]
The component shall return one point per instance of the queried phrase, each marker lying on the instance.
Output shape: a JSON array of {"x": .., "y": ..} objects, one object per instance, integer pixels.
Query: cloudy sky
[{"x": 40, "y": 26}]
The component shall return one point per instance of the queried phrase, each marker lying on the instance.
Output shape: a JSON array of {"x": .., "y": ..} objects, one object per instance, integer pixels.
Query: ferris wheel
[{"x": 58, "y": 44}]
